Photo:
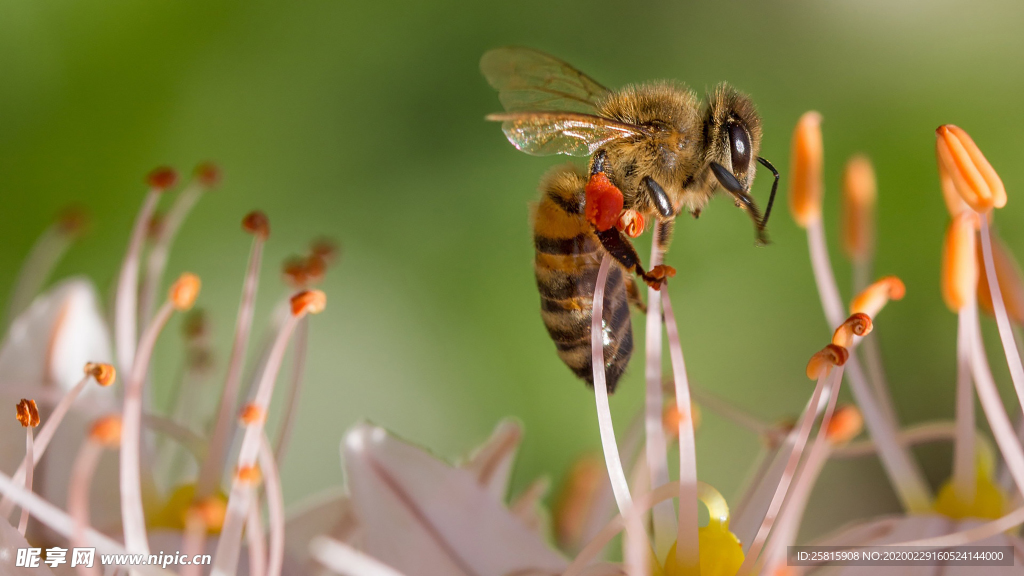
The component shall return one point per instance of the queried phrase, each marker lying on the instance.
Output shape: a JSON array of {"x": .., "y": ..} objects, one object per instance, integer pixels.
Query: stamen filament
[
  {"x": 964, "y": 471},
  {"x": 275, "y": 508},
  {"x": 125, "y": 304},
  {"x": 687, "y": 546},
  {"x": 344, "y": 559},
  {"x": 226, "y": 557},
  {"x": 917, "y": 434},
  {"x": 40, "y": 262},
  {"x": 616, "y": 475},
  {"x": 1008, "y": 443},
  {"x": 828, "y": 382},
  {"x": 664, "y": 519},
  {"x": 212, "y": 469},
  {"x": 132, "y": 515},
  {"x": 723, "y": 408},
  {"x": 1002, "y": 320},
  {"x": 972, "y": 534},
  {"x": 80, "y": 485},
  {"x": 254, "y": 536},
  {"x": 291, "y": 408},
  {"x": 29, "y": 467}
]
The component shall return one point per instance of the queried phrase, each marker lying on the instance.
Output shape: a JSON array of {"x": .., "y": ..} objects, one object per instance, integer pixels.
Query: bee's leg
[
  {"x": 633, "y": 295},
  {"x": 665, "y": 229},
  {"x": 622, "y": 250},
  {"x": 604, "y": 200}
]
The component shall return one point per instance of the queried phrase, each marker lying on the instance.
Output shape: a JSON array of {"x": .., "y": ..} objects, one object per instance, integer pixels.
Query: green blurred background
[{"x": 364, "y": 121}]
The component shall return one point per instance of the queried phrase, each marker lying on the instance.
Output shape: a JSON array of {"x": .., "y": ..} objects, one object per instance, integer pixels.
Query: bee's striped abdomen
[{"x": 568, "y": 258}]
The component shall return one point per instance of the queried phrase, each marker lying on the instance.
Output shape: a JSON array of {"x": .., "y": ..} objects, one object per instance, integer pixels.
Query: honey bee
[{"x": 654, "y": 151}]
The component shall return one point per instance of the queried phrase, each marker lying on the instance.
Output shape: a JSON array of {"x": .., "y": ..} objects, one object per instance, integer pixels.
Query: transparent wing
[
  {"x": 530, "y": 80},
  {"x": 545, "y": 133}
]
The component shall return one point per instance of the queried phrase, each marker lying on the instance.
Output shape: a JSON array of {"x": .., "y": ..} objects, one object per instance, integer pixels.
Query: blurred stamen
[
  {"x": 291, "y": 408},
  {"x": 1011, "y": 282},
  {"x": 126, "y": 302},
  {"x": 858, "y": 213},
  {"x": 959, "y": 289},
  {"x": 805, "y": 189},
  {"x": 44, "y": 256},
  {"x": 213, "y": 466},
  {"x": 687, "y": 546},
  {"x": 344, "y": 559},
  {"x": 275, "y": 508},
  {"x": 1002, "y": 320},
  {"x": 664, "y": 516},
  {"x": 974, "y": 178},
  {"x": 105, "y": 433},
  {"x": 226, "y": 557},
  {"x": 204, "y": 177},
  {"x": 181, "y": 296},
  {"x": 255, "y": 538},
  {"x": 28, "y": 417}
]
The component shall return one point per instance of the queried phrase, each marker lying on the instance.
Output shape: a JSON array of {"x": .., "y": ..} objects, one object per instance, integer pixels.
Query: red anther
[
  {"x": 316, "y": 269},
  {"x": 631, "y": 223},
  {"x": 208, "y": 174},
  {"x": 28, "y": 414},
  {"x": 603, "y": 202},
  {"x": 326, "y": 249},
  {"x": 162, "y": 178},
  {"x": 295, "y": 272},
  {"x": 308, "y": 302},
  {"x": 257, "y": 224},
  {"x": 73, "y": 220}
]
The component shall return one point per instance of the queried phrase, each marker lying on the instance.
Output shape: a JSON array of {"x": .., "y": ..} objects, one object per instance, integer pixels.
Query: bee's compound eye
[{"x": 740, "y": 143}]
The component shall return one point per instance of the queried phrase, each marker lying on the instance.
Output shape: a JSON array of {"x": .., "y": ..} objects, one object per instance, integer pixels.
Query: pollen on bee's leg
[{"x": 604, "y": 202}]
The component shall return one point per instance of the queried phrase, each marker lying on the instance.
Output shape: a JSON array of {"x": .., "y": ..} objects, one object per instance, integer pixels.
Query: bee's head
[{"x": 732, "y": 141}]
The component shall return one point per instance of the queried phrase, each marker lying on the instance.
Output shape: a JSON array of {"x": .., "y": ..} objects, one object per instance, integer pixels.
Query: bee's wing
[
  {"x": 544, "y": 133},
  {"x": 530, "y": 80}
]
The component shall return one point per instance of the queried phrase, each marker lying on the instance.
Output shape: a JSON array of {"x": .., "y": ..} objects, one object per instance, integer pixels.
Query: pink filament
[
  {"x": 28, "y": 462},
  {"x": 125, "y": 305},
  {"x": 275, "y": 508},
  {"x": 78, "y": 497}
]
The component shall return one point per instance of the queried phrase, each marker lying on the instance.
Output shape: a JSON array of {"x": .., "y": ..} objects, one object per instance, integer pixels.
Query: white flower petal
[
  {"x": 492, "y": 461},
  {"x": 326, "y": 514},
  {"x": 423, "y": 517},
  {"x": 10, "y": 542},
  {"x": 896, "y": 529}
]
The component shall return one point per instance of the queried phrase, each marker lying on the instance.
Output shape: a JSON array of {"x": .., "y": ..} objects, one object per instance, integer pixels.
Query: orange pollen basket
[
  {"x": 631, "y": 223},
  {"x": 28, "y": 414}
]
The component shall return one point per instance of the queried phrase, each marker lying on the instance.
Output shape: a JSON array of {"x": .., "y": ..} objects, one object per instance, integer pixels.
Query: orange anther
[
  {"x": 257, "y": 224},
  {"x": 308, "y": 302},
  {"x": 104, "y": 374},
  {"x": 295, "y": 272},
  {"x": 671, "y": 418},
  {"x": 208, "y": 174},
  {"x": 805, "y": 179},
  {"x": 251, "y": 414},
  {"x": 859, "y": 192},
  {"x": 822, "y": 362},
  {"x": 106, "y": 431},
  {"x": 162, "y": 178},
  {"x": 325, "y": 248},
  {"x": 876, "y": 296},
  {"x": 211, "y": 511},
  {"x": 959, "y": 262},
  {"x": 858, "y": 324},
  {"x": 249, "y": 475},
  {"x": 28, "y": 414},
  {"x": 184, "y": 291},
  {"x": 972, "y": 175},
  {"x": 845, "y": 425}
]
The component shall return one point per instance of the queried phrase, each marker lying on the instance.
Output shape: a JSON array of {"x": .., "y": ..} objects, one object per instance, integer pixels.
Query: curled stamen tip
[
  {"x": 211, "y": 511},
  {"x": 162, "y": 178},
  {"x": 184, "y": 291},
  {"x": 973, "y": 177},
  {"x": 859, "y": 192},
  {"x": 103, "y": 373},
  {"x": 28, "y": 414},
  {"x": 858, "y": 324},
  {"x": 252, "y": 414},
  {"x": 805, "y": 188},
  {"x": 106, "y": 431},
  {"x": 874, "y": 297},
  {"x": 249, "y": 475},
  {"x": 308, "y": 302},
  {"x": 845, "y": 425},
  {"x": 257, "y": 224},
  {"x": 822, "y": 362},
  {"x": 208, "y": 174}
]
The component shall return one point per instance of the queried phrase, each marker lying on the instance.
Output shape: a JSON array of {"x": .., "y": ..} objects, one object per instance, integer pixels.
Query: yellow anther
[
  {"x": 103, "y": 374},
  {"x": 973, "y": 177},
  {"x": 184, "y": 291},
  {"x": 859, "y": 192}
]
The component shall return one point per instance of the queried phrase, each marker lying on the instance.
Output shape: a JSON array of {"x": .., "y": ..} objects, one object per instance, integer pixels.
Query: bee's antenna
[{"x": 775, "y": 186}]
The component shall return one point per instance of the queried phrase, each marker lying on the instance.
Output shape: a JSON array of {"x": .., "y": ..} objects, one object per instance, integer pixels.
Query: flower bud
[
  {"x": 859, "y": 193},
  {"x": 959, "y": 261},
  {"x": 973, "y": 177},
  {"x": 805, "y": 174}
]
